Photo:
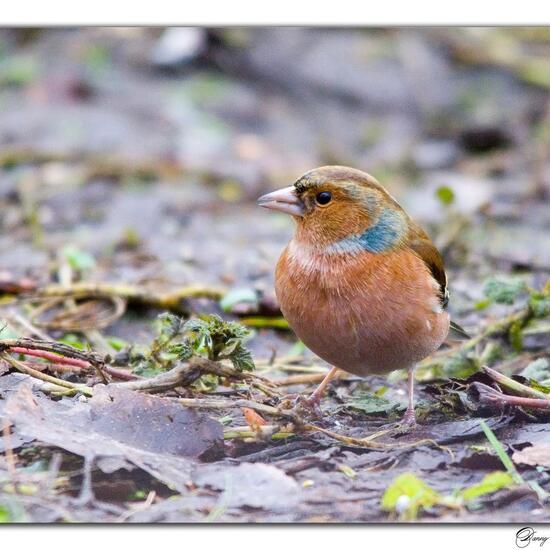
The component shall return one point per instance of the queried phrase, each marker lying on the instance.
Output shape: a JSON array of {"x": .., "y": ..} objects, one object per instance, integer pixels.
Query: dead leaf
[
  {"x": 68, "y": 424},
  {"x": 535, "y": 455},
  {"x": 154, "y": 424},
  {"x": 253, "y": 419},
  {"x": 251, "y": 484}
]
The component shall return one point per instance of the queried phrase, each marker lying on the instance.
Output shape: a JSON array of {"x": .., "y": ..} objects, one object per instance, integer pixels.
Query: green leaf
[
  {"x": 413, "y": 491},
  {"x": 117, "y": 344},
  {"x": 489, "y": 484},
  {"x": 183, "y": 350},
  {"x": 238, "y": 296},
  {"x": 544, "y": 388},
  {"x": 370, "y": 403},
  {"x": 171, "y": 325},
  {"x": 482, "y": 304},
  {"x": 460, "y": 365},
  {"x": 515, "y": 335},
  {"x": 5, "y": 516},
  {"x": 73, "y": 340},
  {"x": 78, "y": 259},
  {"x": 242, "y": 359},
  {"x": 445, "y": 195},
  {"x": 8, "y": 332},
  {"x": 538, "y": 370},
  {"x": 501, "y": 453},
  {"x": 504, "y": 290},
  {"x": 539, "y": 304}
]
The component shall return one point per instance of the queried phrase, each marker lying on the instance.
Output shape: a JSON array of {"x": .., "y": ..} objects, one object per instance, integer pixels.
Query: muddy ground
[{"x": 134, "y": 157}]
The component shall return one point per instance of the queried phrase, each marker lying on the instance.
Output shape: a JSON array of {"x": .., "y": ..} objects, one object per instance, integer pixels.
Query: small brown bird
[{"x": 360, "y": 283}]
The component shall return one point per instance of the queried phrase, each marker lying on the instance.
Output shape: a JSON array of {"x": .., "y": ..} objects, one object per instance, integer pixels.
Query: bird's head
[{"x": 341, "y": 209}]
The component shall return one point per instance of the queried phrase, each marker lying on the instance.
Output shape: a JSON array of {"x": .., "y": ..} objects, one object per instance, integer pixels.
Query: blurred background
[{"x": 139, "y": 152}]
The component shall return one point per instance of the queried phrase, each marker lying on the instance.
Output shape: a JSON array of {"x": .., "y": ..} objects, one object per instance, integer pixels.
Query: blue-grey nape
[{"x": 379, "y": 237}]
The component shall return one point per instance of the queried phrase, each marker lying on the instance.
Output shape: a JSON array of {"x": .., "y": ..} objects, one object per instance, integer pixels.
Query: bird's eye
[{"x": 323, "y": 198}]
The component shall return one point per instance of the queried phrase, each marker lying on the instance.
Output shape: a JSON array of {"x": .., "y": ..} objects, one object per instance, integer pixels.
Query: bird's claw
[
  {"x": 409, "y": 419},
  {"x": 307, "y": 407},
  {"x": 406, "y": 424}
]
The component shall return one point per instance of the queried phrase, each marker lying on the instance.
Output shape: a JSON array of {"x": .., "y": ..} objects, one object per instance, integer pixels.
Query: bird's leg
[
  {"x": 312, "y": 402},
  {"x": 315, "y": 397},
  {"x": 409, "y": 418}
]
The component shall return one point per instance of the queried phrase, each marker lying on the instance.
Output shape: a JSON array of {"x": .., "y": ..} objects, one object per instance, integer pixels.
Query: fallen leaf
[
  {"x": 535, "y": 455},
  {"x": 251, "y": 484},
  {"x": 153, "y": 423},
  {"x": 69, "y": 424},
  {"x": 253, "y": 419}
]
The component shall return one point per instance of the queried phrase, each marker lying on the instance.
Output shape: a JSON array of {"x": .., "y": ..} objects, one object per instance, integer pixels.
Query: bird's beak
[{"x": 285, "y": 200}]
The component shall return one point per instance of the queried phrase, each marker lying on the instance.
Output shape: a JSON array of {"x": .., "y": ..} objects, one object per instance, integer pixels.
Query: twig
[
  {"x": 263, "y": 384},
  {"x": 182, "y": 375},
  {"x": 21, "y": 367},
  {"x": 513, "y": 385},
  {"x": 490, "y": 395},
  {"x": 508, "y": 464},
  {"x": 186, "y": 374},
  {"x": 49, "y": 356},
  {"x": 234, "y": 404},
  {"x": 25, "y": 324},
  {"x": 140, "y": 507},
  {"x": 57, "y": 348},
  {"x": 121, "y": 374},
  {"x": 369, "y": 443},
  {"x": 81, "y": 317},
  {"x": 10, "y": 457},
  {"x": 163, "y": 300},
  {"x": 271, "y": 431},
  {"x": 301, "y": 379}
]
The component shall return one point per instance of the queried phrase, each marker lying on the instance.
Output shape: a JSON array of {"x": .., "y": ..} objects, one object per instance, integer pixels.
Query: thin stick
[
  {"x": 301, "y": 379},
  {"x": 163, "y": 300},
  {"x": 51, "y": 357},
  {"x": 55, "y": 347},
  {"x": 513, "y": 385},
  {"x": 490, "y": 395},
  {"x": 10, "y": 457},
  {"x": 21, "y": 367},
  {"x": 182, "y": 375}
]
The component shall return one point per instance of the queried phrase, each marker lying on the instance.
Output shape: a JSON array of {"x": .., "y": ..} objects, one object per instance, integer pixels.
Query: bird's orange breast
[{"x": 364, "y": 313}]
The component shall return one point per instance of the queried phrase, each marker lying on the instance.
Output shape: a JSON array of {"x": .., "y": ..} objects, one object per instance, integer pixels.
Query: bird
[{"x": 360, "y": 283}]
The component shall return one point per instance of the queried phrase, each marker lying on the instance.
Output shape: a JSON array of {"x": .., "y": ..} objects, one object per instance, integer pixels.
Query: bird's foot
[
  {"x": 408, "y": 422},
  {"x": 306, "y": 407}
]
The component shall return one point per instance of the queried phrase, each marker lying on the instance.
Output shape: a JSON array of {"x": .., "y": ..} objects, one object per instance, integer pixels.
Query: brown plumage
[{"x": 360, "y": 282}]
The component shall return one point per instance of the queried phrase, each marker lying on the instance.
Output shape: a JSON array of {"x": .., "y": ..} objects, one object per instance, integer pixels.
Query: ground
[{"x": 130, "y": 162}]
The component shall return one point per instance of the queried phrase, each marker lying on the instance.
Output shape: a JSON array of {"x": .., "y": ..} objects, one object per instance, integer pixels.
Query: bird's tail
[{"x": 456, "y": 332}]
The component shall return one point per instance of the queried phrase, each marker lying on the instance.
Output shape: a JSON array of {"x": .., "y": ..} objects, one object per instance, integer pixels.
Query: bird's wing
[{"x": 420, "y": 243}]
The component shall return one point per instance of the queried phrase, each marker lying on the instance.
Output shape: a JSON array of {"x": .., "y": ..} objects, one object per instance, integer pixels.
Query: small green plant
[
  {"x": 179, "y": 340},
  {"x": 216, "y": 339},
  {"x": 408, "y": 495},
  {"x": 504, "y": 290}
]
